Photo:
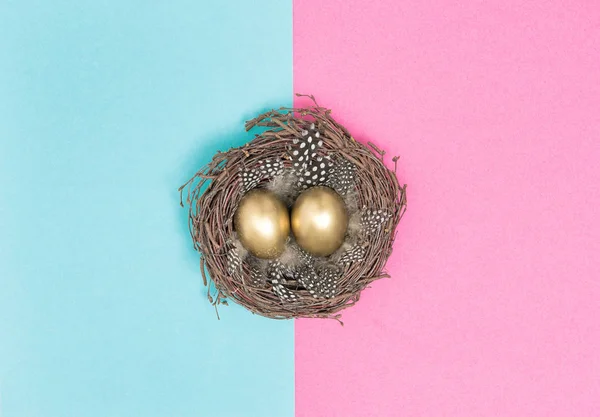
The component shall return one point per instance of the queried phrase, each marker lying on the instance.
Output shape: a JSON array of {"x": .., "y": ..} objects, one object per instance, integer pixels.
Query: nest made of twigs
[{"x": 214, "y": 192}]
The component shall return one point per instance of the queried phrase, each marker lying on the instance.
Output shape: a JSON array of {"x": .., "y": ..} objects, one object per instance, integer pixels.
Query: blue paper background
[{"x": 106, "y": 107}]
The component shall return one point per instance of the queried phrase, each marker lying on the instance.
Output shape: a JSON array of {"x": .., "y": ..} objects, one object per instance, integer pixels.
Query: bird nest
[{"x": 296, "y": 284}]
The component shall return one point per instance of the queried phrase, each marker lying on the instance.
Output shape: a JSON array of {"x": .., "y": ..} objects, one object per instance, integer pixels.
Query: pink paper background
[{"x": 494, "y": 304}]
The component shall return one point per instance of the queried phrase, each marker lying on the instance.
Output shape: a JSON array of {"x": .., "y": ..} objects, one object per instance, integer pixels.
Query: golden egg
[
  {"x": 319, "y": 221},
  {"x": 262, "y": 223}
]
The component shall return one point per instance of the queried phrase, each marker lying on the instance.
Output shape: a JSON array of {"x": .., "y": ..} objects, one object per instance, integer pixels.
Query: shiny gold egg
[
  {"x": 319, "y": 221},
  {"x": 262, "y": 223}
]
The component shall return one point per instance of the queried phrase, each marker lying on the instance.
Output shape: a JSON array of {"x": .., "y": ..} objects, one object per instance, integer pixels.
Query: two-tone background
[{"x": 493, "y": 308}]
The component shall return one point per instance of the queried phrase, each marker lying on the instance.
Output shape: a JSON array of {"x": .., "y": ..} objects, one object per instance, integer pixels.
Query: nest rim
[{"x": 213, "y": 194}]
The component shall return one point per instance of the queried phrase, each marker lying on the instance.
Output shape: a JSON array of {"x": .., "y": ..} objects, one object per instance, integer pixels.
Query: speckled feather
[
  {"x": 341, "y": 176},
  {"x": 257, "y": 277},
  {"x": 266, "y": 169},
  {"x": 371, "y": 221},
  {"x": 277, "y": 276},
  {"x": 304, "y": 148},
  {"x": 316, "y": 173},
  {"x": 234, "y": 262},
  {"x": 320, "y": 283},
  {"x": 355, "y": 253}
]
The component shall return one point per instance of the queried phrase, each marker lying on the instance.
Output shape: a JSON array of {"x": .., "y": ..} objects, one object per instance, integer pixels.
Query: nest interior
[{"x": 214, "y": 192}]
